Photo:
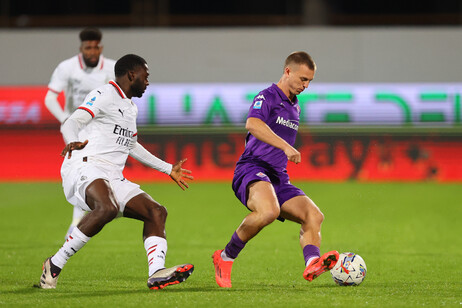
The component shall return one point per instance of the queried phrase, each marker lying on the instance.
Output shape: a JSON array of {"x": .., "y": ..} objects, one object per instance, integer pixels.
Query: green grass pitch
[{"x": 409, "y": 234}]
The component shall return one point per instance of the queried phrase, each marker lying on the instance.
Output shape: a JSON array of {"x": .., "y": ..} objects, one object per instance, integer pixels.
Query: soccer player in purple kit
[{"x": 261, "y": 181}]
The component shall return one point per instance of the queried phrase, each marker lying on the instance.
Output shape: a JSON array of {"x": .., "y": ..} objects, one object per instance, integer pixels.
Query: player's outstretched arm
[
  {"x": 179, "y": 174},
  {"x": 138, "y": 152},
  {"x": 176, "y": 172}
]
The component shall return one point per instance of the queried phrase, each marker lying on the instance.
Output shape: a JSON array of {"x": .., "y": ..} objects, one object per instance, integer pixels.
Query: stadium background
[
  {"x": 385, "y": 104},
  {"x": 380, "y": 138}
]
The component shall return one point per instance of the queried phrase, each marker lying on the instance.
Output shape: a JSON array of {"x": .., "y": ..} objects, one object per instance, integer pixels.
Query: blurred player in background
[
  {"x": 261, "y": 181},
  {"x": 100, "y": 135},
  {"x": 77, "y": 76}
]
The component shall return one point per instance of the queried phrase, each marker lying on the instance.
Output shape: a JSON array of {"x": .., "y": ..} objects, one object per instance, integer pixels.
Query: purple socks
[
  {"x": 310, "y": 251},
  {"x": 234, "y": 246}
]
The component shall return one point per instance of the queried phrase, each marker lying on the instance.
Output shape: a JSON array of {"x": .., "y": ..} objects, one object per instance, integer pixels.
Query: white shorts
[{"x": 78, "y": 175}]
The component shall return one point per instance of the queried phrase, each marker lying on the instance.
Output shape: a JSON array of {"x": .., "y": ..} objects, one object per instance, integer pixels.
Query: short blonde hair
[{"x": 300, "y": 57}]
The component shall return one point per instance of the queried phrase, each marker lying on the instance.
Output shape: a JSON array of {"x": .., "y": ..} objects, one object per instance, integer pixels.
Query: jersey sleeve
[
  {"x": 59, "y": 78},
  {"x": 260, "y": 108},
  {"x": 95, "y": 103},
  {"x": 71, "y": 127}
]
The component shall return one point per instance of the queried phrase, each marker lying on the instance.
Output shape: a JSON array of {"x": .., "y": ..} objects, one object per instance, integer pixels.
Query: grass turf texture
[{"x": 409, "y": 234}]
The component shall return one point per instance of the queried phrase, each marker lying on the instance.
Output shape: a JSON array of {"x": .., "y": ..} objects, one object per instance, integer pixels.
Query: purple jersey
[{"x": 282, "y": 116}]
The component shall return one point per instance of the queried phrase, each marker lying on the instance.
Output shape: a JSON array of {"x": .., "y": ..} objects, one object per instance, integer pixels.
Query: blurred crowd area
[{"x": 237, "y": 13}]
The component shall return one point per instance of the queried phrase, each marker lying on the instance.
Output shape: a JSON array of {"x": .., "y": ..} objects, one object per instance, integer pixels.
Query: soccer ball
[{"x": 349, "y": 270}]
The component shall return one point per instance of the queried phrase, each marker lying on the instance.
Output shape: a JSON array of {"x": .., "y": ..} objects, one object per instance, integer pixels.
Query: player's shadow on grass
[
  {"x": 57, "y": 293},
  {"x": 252, "y": 287},
  {"x": 246, "y": 288}
]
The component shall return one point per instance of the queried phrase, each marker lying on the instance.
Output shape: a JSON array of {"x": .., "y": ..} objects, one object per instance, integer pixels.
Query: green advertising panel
[{"x": 413, "y": 104}]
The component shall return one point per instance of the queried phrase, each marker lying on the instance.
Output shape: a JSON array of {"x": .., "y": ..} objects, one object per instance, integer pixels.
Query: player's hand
[
  {"x": 293, "y": 155},
  {"x": 179, "y": 174},
  {"x": 73, "y": 146}
]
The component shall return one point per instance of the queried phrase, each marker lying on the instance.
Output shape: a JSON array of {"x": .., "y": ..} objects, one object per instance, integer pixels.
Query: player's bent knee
[
  {"x": 107, "y": 212},
  {"x": 157, "y": 212},
  {"x": 316, "y": 217},
  {"x": 312, "y": 216},
  {"x": 269, "y": 216}
]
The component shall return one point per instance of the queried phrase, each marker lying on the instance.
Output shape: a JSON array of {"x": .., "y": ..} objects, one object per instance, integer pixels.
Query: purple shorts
[{"x": 247, "y": 173}]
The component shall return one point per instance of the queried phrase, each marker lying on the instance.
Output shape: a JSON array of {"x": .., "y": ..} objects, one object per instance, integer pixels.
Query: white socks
[
  {"x": 156, "y": 249},
  {"x": 74, "y": 242},
  {"x": 309, "y": 260},
  {"x": 225, "y": 257}
]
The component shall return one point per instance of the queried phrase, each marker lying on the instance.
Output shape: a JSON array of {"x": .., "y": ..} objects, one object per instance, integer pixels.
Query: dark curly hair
[
  {"x": 128, "y": 63},
  {"x": 90, "y": 34}
]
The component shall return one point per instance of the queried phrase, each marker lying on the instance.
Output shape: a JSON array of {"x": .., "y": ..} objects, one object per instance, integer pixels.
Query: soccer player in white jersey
[
  {"x": 77, "y": 76},
  {"x": 100, "y": 135}
]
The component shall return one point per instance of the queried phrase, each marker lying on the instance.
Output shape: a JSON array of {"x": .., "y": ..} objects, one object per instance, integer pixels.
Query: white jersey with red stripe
[
  {"x": 112, "y": 130},
  {"x": 77, "y": 80}
]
